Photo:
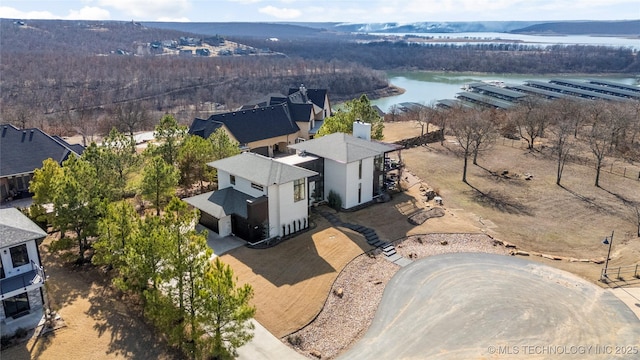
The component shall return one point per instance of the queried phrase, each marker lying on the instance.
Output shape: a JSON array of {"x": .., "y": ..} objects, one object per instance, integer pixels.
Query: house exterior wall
[
  {"x": 344, "y": 180},
  {"x": 335, "y": 178},
  {"x": 242, "y": 184},
  {"x": 8, "y": 326},
  {"x": 7, "y": 264},
  {"x": 287, "y": 216}
]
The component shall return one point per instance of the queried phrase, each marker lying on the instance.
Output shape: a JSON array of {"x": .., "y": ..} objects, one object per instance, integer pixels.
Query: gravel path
[{"x": 357, "y": 292}]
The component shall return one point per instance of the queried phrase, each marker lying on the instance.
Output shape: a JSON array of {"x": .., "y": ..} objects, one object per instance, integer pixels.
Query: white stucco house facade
[
  {"x": 21, "y": 274},
  {"x": 353, "y": 167},
  {"x": 257, "y": 198}
]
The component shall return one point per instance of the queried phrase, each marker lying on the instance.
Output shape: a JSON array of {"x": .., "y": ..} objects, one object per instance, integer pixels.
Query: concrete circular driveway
[{"x": 463, "y": 306}]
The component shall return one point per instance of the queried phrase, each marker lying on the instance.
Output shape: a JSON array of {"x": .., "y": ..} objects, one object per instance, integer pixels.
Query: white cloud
[
  {"x": 149, "y": 9},
  {"x": 280, "y": 13},
  {"x": 86, "y": 13},
  {"x": 89, "y": 13},
  {"x": 245, "y": 1}
]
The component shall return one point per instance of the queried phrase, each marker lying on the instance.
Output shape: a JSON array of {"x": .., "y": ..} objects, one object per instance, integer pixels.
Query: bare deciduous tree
[{"x": 530, "y": 119}]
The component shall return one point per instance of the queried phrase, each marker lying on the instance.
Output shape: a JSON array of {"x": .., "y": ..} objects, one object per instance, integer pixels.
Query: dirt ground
[
  {"x": 98, "y": 326},
  {"x": 290, "y": 294}
]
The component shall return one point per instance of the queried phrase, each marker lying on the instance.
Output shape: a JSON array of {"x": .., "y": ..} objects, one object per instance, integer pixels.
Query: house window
[
  {"x": 360, "y": 169},
  {"x": 19, "y": 255},
  {"x": 379, "y": 162},
  {"x": 298, "y": 189},
  {"x": 1, "y": 270},
  {"x": 359, "y": 193},
  {"x": 16, "y": 305},
  {"x": 257, "y": 187},
  {"x": 232, "y": 179}
]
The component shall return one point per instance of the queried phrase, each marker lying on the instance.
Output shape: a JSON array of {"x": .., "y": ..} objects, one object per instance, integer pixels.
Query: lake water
[
  {"x": 534, "y": 40},
  {"x": 427, "y": 87}
]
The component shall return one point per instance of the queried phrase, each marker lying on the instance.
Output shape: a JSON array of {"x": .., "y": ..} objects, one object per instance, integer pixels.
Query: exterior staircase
[{"x": 369, "y": 234}]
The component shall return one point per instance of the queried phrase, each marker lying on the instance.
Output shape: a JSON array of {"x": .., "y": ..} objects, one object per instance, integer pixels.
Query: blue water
[{"x": 427, "y": 87}]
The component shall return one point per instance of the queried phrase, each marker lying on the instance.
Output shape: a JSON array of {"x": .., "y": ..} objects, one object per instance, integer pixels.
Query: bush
[
  {"x": 294, "y": 340},
  {"x": 335, "y": 202}
]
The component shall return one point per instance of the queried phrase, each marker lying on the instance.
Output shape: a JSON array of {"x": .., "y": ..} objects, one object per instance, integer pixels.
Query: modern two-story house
[
  {"x": 257, "y": 198},
  {"x": 353, "y": 166},
  {"x": 21, "y": 274}
]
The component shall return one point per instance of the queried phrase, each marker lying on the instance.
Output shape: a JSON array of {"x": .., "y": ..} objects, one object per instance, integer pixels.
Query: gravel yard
[{"x": 344, "y": 319}]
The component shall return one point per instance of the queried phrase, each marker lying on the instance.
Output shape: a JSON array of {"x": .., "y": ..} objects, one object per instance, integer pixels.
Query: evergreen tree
[
  {"x": 226, "y": 312},
  {"x": 193, "y": 157},
  {"x": 159, "y": 182},
  {"x": 354, "y": 110}
]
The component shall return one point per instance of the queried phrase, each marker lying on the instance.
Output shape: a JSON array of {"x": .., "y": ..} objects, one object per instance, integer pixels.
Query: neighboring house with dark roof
[
  {"x": 353, "y": 166},
  {"x": 23, "y": 151},
  {"x": 268, "y": 125},
  {"x": 21, "y": 273},
  {"x": 257, "y": 198}
]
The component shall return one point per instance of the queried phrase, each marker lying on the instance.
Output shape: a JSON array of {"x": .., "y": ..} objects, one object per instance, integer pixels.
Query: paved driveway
[{"x": 463, "y": 306}]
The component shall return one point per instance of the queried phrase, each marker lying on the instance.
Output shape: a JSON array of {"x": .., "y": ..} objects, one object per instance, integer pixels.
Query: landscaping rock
[
  {"x": 339, "y": 292},
  {"x": 420, "y": 217}
]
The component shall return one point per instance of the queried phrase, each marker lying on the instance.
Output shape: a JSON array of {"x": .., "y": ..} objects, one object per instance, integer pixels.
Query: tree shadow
[
  {"x": 585, "y": 199},
  {"x": 131, "y": 337},
  {"x": 499, "y": 201},
  {"x": 624, "y": 200},
  {"x": 276, "y": 264}
]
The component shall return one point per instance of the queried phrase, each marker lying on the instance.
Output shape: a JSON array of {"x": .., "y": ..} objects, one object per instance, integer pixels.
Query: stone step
[
  {"x": 394, "y": 257},
  {"x": 388, "y": 248},
  {"x": 372, "y": 237},
  {"x": 376, "y": 243},
  {"x": 389, "y": 252}
]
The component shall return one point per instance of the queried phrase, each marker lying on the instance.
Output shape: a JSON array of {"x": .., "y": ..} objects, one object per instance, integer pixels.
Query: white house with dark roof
[
  {"x": 353, "y": 167},
  {"x": 21, "y": 274},
  {"x": 257, "y": 198}
]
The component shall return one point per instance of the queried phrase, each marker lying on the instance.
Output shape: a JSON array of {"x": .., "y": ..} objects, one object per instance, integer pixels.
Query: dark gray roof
[
  {"x": 16, "y": 228},
  {"x": 343, "y": 148},
  {"x": 316, "y": 96},
  {"x": 260, "y": 169},
  {"x": 23, "y": 151},
  {"x": 221, "y": 203},
  {"x": 249, "y": 125}
]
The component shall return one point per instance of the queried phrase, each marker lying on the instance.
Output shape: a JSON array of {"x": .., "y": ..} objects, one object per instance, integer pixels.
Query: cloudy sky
[{"x": 402, "y": 11}]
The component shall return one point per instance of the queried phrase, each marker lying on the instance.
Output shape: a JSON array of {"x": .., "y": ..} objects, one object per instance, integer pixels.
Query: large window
[
  {"x": 16, "y": 305},
  {"x": 360, "y": 169},
  {"x": 298, "y": 189},
  {"x": 232, "y": 179},
  {"x": 19, "y": 255}
]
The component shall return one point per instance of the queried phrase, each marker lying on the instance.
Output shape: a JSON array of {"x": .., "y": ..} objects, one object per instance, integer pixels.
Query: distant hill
[
  {"x": 287, "y": 30},
  {"x": 242, "y": 29},
  {"x": 631, "y": 27}
]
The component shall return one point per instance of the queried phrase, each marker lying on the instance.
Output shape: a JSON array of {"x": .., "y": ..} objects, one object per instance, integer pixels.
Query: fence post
[
  {"x": 624, "y": 173},
  {"x": 618, "y": 277},
  {"x": 635, "y": 273}
]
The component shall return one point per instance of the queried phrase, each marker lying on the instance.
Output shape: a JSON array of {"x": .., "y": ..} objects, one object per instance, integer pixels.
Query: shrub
[
  {"x": 334, "y": 200},
  {"x": 294, "y": 340}
]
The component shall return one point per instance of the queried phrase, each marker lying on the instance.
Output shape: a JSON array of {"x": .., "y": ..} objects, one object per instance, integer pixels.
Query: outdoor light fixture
[{"x": 606, "y": 241}]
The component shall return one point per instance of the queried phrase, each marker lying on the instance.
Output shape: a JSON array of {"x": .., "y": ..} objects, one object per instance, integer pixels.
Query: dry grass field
[{"x": 536, "y": 214}]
